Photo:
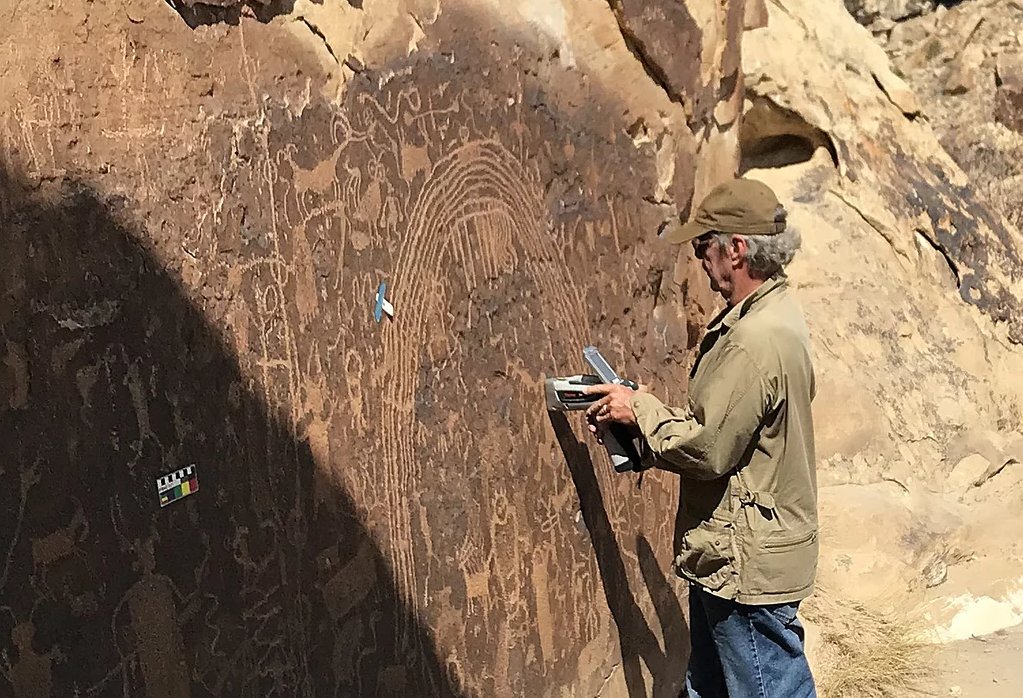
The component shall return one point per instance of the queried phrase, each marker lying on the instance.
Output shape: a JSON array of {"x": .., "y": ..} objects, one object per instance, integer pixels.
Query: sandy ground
[{"x": 982, "y": 667}]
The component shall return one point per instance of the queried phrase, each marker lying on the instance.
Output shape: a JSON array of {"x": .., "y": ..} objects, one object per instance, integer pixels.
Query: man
[{"x": 743, "y": 447}]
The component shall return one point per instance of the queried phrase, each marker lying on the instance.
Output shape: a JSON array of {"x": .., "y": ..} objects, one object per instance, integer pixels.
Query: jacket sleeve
[{"x": 707, "y": 439}]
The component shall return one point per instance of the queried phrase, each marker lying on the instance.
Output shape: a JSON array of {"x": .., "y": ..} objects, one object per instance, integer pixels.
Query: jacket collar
[{"x": 727, "y": 318}]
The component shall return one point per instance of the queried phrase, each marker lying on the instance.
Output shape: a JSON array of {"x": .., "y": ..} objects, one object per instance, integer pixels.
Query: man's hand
[{"x": 615, "y": 406}]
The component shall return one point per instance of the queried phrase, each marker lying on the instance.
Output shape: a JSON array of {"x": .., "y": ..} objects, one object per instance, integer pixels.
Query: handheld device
[
  {"x": 566, "y": 394},
  {"x": 607, "y": 374}
]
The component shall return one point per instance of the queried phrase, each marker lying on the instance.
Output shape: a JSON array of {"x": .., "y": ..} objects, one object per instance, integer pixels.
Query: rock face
[
  {"x": 1009, "y": 97},
  {"x": 869, "y": 11},
  {"x": 910, "y": 280},
  {"x": 196, "y": 217},
  {"x": 924, "y": 351},
  {"x": 971, "y": 46}
]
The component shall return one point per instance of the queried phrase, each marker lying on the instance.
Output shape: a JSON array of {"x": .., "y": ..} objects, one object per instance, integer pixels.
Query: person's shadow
[
  {"x": 265, "y": 582},
  {"x": 666, "y": 663}
]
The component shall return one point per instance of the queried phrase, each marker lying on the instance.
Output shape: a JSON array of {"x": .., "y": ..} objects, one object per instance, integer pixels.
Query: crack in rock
[
  {"x": 607, "y": 680},
  {"x": 878, "y": 227},
  {"x": 320, "y": 35},
  {"x": 944, "y": 253}
]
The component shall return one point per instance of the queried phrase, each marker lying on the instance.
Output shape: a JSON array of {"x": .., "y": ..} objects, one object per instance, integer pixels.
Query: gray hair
[{"x": 766, "y": 254}]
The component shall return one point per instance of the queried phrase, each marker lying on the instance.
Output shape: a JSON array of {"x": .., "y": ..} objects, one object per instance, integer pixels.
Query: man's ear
[{"x": 737, "y": 250}]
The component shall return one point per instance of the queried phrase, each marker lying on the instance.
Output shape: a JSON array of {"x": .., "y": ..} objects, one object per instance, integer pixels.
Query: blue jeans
[{"x": 745, "y": 651}]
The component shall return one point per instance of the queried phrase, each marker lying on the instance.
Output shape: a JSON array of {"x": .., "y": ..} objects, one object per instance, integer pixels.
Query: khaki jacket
[{"x": 744, "y": 448}]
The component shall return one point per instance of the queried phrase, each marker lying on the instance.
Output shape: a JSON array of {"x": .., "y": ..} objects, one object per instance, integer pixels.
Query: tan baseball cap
[{"x": 741, "y": 206}]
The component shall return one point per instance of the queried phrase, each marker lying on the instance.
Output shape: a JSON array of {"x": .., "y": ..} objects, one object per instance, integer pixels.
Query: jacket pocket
[
  {"x": 789, "y": 541},
  {"x": 705, "y": 556},
  {"x": 783, "y": 564}
]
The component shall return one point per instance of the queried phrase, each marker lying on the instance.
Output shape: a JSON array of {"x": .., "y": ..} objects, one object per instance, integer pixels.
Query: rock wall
[
  {"x": 910, "y": 279},
  {"x": 198, "y": 202}
]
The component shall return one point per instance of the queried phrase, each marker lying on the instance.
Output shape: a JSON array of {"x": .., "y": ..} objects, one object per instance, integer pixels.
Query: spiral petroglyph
[{"x": 483, "y": 183}]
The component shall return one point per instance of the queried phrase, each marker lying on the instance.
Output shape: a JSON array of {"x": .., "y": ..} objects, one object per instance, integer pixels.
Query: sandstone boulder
[
  {"x": 988, "y": 151},
  {"x": 931, "y": 41},
  {"x": 869, "y": 11},
  {"x": 1009, "y": 97},
  {"x": 890, "y": 220},
  {"x": 914, "y": 34},
  {"x": 966, "y": 72}
]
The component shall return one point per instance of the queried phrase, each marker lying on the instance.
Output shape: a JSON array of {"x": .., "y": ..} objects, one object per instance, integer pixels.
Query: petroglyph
[
  {"x": 31, "y": 676},
  {"x": 384, "y": 508},
  {"x": 461, "y": 226}
]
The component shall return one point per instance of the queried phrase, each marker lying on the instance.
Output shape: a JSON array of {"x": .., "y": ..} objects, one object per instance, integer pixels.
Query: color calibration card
[{"x": 177, "y": 485}]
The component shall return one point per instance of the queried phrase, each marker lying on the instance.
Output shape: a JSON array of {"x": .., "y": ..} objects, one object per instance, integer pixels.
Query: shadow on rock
[
  {"x": 665, "y": 663},
  {"x": 264, "y": 582},
  {"x": 197, "y": 13}
]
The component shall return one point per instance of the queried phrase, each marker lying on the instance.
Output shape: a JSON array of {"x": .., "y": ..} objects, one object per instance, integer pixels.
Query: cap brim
[{"x": 677, "y": 233}]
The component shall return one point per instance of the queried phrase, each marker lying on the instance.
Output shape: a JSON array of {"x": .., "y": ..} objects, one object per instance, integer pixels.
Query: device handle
[{"x": 620, "y": 448}]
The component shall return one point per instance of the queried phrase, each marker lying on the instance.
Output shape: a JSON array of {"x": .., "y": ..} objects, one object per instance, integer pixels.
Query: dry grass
[{"x": 866, "y": 652}]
